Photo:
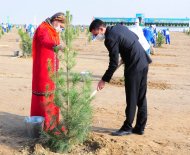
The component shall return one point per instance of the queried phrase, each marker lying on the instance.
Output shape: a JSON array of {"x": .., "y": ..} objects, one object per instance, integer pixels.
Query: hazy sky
[{"x": 25, "y": 11}]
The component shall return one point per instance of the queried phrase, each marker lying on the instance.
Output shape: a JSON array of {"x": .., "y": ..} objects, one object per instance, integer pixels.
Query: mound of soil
[{"x": 96, "y": 145}]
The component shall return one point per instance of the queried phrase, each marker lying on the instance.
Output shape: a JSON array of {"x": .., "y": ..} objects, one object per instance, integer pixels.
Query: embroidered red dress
[{"x": 45, "y": 38}]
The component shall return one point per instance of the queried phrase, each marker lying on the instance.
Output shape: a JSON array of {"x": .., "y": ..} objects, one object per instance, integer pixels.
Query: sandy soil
[{"x": 168, "y": 128}]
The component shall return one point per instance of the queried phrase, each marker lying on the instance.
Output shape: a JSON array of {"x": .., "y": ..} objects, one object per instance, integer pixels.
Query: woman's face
[{"x": 58, "y": 25}]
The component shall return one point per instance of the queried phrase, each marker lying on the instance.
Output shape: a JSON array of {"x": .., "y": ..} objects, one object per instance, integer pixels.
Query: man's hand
[{"x": 101, "y": 85}]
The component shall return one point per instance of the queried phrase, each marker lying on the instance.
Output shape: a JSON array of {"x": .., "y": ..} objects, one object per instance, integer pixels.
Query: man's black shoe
[
  {"x": 121, "y": 132},
  {"x": 138, "y": 131}
]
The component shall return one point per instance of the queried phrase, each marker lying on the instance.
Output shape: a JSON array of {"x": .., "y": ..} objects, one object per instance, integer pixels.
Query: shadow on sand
[
  {"x": 12, "y": 130},
  {"x": 103, "y": 130}
]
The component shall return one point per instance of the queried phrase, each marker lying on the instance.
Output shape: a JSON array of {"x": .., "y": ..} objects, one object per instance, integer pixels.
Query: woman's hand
[{"x": 58, "y": 48}]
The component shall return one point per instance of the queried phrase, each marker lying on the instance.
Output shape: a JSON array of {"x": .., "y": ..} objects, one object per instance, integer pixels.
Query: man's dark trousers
[{"x": 135, "y": 89}]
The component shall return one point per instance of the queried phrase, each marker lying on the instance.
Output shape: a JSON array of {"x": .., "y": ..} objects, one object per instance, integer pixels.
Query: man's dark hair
[
  {"x": 96, "y": 24},
  {"x": 122, "y": 23}
]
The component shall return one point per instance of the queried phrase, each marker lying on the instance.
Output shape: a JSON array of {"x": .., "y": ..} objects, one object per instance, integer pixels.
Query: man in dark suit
[{"x": 120, "y": 40}]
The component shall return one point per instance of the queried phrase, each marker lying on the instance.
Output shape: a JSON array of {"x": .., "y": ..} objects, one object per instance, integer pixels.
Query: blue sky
[{"x": 26, "y": 11}]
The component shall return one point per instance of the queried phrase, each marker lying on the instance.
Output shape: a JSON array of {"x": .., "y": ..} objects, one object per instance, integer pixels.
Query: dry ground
[{"x": 168, "y": 127}]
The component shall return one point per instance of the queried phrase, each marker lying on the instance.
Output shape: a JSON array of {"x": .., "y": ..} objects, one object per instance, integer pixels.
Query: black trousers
[{"x": 135, "y": 89}]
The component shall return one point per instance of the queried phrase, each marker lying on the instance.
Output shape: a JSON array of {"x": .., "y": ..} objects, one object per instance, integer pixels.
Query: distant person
[
  {"x": 154, "y": 34},
  {"x": 163, "y": 32},
  {"x": 45, "y": 40},
  {"x": 167, "y": 36},
  {"x": 119, "y": 40},
  {"x": 32, "y": 30},
  {"x": 4, "y": 27},
  {"x": 137, "y": 29},
  {"x": 82, "y": 28},
  {"x": 9, "y": 27},
  {"x": 149, "y": 37},
  {"x": 26, "y": 28}
]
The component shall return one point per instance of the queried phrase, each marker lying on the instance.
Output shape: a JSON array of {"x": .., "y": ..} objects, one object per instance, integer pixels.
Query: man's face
[
  {"x": 137, "y": 23},
  {"x": 96, "y": 32}
]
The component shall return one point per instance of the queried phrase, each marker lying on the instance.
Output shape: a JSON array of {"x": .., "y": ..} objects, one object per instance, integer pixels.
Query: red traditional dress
[{"x": 45, "y": 38}]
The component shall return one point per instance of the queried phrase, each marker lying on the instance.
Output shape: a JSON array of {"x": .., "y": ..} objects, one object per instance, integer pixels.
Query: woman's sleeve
[{"x": 44, "y": 38}]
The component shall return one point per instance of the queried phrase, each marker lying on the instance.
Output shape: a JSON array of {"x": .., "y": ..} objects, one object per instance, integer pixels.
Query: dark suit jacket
[{"x": 120, "y": 40}]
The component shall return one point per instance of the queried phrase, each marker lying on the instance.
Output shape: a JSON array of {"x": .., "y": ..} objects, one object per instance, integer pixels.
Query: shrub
[
  {"x": 188, "y": 32},
  {"x": 26, "y": 43},
  {"x": 1, "y": 32},
  {"x": 89, "y": 35}
]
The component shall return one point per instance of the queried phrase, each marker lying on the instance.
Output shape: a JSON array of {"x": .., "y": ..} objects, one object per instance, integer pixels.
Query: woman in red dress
[{"x": 46, "y": 38}]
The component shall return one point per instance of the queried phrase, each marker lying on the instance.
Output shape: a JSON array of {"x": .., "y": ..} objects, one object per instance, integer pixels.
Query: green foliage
[
  {"x": 1, "y": 32},
  {"x": 87, "y": 31},
  {"x": 26, "y": 43},
  {"x": 72, "y": 96},
  {"x": 73, "y": 30},
  {"x": 188, "y": 32},
  {"x": 76, "y": 31},
  {"x": 160, "y": 39},
  {"x": 89, "y": 35}
]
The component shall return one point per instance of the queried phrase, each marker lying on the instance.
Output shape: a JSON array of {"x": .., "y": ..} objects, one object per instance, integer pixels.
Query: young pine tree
[
  {"x": 160, "y": 40},
  {"x": 72, "y": 96}
]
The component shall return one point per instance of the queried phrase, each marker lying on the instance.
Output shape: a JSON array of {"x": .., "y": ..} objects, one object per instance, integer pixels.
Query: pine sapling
[
  {"x": 72, "y": 96},
  {"x": 160, "y": 39}
]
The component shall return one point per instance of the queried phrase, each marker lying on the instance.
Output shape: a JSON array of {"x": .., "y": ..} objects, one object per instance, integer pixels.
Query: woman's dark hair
[
  {"x": 96, "y": 24},
  {"x": 60, "y": 16}
]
